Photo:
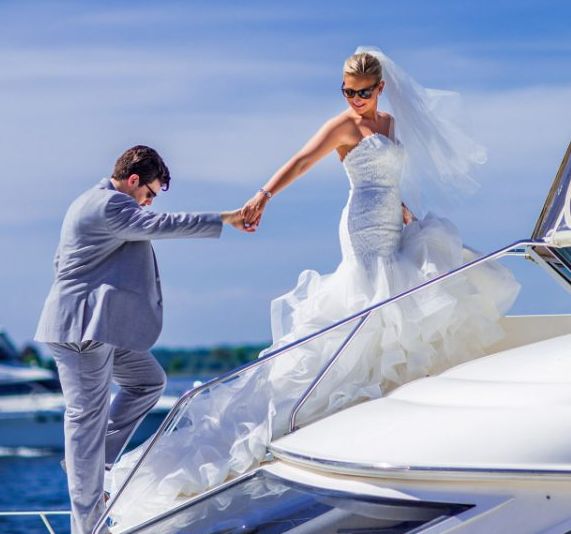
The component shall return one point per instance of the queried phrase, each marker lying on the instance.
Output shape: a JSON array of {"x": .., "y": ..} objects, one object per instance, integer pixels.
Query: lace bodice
[{"x": 371, "y": 223}]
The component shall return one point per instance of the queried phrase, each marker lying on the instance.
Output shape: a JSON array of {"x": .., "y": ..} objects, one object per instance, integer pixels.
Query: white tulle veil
[{"x": 428, "y": 123}]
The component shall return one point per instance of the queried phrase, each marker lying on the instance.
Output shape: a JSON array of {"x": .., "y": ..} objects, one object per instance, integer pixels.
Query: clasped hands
[
  {"x": 253, "y": 209},
  {"x": 246, "y": 219}
]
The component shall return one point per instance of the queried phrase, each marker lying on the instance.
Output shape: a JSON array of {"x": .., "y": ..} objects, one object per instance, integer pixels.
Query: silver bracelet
[{"x": 267, "y": 194}]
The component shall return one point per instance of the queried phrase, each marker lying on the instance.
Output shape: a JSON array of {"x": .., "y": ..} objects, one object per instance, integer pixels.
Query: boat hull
[{"x": 43, "y": 429}]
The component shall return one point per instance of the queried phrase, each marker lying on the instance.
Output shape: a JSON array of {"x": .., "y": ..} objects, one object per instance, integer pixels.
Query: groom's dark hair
[{"x": 146, "y": 163}]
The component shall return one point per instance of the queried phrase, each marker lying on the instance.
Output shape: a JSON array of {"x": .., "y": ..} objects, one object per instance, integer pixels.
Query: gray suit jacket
[{"x": 107, "y": 285}]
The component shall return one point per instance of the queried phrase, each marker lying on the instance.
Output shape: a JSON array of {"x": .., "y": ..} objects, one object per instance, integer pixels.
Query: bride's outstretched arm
[{"x": 331, "y": 135}]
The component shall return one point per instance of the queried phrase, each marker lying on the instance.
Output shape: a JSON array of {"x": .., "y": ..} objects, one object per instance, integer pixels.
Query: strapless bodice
[{"x": 372, "y": 219}]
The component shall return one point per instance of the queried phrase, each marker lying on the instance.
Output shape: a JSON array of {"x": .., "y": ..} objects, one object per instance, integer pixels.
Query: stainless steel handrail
[
  {"x": 171, "y": 419},
  {"x": 41, "y": 513}
]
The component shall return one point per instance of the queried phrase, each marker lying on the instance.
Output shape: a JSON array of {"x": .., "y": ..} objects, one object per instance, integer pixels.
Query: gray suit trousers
[{"x": 95, "y": 430}]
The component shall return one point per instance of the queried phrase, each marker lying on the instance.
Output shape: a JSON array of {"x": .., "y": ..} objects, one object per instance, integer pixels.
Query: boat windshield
[
  {"x": 554, "y": 223},
  {"x": 553, "y": 227},
  {"x": 266, "y": 504}
]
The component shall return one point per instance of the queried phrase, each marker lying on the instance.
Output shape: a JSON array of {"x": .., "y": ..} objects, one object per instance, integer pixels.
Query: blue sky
[{"x": 227, "y": 91}]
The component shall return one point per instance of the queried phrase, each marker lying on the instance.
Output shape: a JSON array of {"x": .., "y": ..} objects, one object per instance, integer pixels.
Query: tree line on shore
[
  {"x": 207, "y": 361},
  {"x": 201, "y": 362}
]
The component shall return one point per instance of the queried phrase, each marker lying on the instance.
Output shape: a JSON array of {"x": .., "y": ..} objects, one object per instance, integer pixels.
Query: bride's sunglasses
[{"x": 365, "y": 93}]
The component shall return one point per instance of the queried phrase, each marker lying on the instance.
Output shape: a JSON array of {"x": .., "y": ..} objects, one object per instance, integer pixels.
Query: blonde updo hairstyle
[{"x": 363, "y": 65}]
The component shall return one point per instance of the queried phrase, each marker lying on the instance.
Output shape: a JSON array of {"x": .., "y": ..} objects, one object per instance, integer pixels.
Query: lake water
[{"x": 33, "y": 480}]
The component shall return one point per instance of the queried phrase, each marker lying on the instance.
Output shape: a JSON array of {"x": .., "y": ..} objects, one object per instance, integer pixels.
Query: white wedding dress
[{"x": 225, "y": 431}]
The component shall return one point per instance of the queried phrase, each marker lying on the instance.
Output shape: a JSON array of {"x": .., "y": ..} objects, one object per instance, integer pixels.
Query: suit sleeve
[
  {"x": 129, "y": 222},
  {"x": 56, "y": 260}
]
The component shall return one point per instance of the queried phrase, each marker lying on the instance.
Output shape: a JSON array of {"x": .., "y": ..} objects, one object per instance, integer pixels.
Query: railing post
[
  {"x": 47, "y": 523},
  {"x": 317, "y": 380}
]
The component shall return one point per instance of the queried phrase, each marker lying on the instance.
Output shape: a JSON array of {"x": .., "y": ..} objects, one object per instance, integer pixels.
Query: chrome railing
[
  {"x": 42, "y": 514},
  {"x": 518, "y": 248}
]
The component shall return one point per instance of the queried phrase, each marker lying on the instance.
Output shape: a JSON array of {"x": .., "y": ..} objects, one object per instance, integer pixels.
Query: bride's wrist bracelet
[{"x": 267, "y": 194}]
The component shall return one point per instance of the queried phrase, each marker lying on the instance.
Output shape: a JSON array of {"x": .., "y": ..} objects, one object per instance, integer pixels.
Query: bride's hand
[
  {"x": 253, "y": 209},
  {"x": 407, "y": 215}
]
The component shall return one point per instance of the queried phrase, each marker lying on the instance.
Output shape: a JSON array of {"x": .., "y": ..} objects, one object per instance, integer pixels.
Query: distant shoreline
[
  {"x": 202, "y": 362},
  {"x": 206, "y": 361}
]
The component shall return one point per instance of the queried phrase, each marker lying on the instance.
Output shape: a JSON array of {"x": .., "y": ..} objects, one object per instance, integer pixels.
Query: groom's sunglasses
[
  {"x": 150, "y": 193},
  {"x": 365, "y": 93}
]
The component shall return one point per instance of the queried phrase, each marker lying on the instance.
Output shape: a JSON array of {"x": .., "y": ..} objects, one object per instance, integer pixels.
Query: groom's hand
[{"x": 235, "y": 219}]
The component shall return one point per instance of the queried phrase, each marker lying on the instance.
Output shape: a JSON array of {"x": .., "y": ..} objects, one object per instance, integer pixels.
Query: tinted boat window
[
  {"x": 559, "y": 259},
  {"x": 564, "y": 254},
  {"x": 266, "y": 504},
  {"x": 561, "y": 266}
]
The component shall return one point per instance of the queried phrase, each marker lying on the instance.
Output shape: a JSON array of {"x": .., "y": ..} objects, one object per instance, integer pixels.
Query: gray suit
[
  {"x": 106, "y": 271},
  {"x": 102, "y": 314}
]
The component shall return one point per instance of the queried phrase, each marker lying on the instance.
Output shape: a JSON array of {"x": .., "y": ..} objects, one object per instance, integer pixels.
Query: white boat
[
  {"x": 484, "y": 448},
  {"x": 32, "y": 409}
]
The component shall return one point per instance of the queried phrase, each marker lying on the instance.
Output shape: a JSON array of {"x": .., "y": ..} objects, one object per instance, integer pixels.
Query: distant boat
[{"x": 32, "y": 409}]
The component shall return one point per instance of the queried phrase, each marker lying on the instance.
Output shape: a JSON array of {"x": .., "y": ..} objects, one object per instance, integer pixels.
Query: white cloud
[
  {"x": 68, "y": 113},
  {"x": 219, "y": 13},
  {"x": 527, "y": 129}
]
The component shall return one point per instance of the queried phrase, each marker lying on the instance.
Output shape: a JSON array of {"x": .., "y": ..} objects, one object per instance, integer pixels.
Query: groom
[{"x": 104, "y": 312}]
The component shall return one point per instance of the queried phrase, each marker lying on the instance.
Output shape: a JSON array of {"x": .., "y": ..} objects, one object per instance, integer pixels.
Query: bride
[{"x": 385, "y": 250}]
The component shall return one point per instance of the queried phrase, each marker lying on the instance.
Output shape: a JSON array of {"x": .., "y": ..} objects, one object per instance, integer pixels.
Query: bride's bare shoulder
[{"x": 343, "y": 120}]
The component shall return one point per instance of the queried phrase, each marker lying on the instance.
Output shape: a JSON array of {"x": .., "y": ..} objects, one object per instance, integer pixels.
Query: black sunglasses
[
  {"x": 150, "y": 193},
  {"x": 365, "y": 93}
]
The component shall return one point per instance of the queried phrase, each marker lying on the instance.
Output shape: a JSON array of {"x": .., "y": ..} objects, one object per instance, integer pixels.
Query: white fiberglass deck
[{"x": 505, "y": 414}]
